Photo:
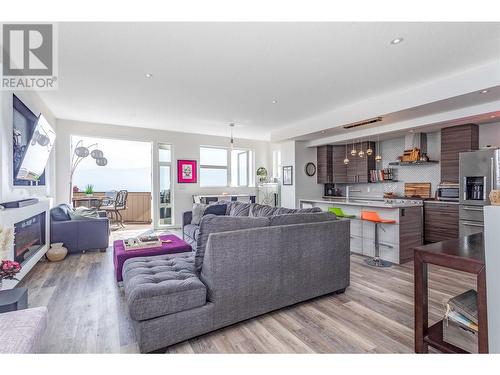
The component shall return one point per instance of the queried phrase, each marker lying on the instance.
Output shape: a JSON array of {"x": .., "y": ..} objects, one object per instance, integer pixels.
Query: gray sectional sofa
[{"x": 242, "y": 266}]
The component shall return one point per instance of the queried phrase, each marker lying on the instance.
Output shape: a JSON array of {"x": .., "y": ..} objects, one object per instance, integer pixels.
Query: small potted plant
[
  {"x": 8, "y": 269},
  {"x": 89, "y": 190}
]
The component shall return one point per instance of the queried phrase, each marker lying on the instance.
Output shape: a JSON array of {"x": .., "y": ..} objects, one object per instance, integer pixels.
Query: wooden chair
[{"x": 115, "y": 206}]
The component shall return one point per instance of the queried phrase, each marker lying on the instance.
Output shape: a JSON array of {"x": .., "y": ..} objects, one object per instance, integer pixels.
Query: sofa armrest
[{"x": 186, "y": 218}]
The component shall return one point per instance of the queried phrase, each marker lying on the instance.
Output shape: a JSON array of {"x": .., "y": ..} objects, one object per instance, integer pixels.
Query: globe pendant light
[
  {"x": 378, "y": 157},
  {"x": 97, "y": 154},
  {"x": 346, "y": 160},
  {"x": 361, "y": 152},
  {"x": 231, "y": 140},
  {"x": 353, "y": 151},
  {"x": 369, "y": 150}
]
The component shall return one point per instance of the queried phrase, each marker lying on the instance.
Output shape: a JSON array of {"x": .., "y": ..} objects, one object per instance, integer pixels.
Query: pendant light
[
  {"x": 378, "y": 157},
  {"x": 369, "y": 150},
  {"x": 231, "y": 141},
  {"x": 353, "y": 151},
  {"x": 361, "y": 153},
  {"x": 346, "y": 160}
]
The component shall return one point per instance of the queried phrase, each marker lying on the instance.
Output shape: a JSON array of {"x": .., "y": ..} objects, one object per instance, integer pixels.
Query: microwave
[{"x": 448, "y": 192}]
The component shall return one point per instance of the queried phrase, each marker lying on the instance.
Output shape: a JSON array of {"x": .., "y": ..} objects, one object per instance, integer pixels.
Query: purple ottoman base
[{"x": 120, "y": 255}]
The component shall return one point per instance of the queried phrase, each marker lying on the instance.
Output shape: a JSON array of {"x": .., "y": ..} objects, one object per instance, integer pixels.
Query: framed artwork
[
  {"x": 187, "y": 172},
  {"x": 288, "y": 175}
]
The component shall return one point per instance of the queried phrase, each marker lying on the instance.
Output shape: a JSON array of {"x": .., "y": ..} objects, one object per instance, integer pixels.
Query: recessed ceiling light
[
  {"x": 274, "y": 101},
  {"x": 323, "y": 132},
  {"x": 484, "y": 91},
  {"x": 148, "y": 75},
  {"x": 397, "y": 40},
  {"x": 493, "y": 116}
]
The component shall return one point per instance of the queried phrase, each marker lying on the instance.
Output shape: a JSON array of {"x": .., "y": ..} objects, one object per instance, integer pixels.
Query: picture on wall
[
  {"x": 186, "y": 172},
  {"x": 288, "y": 175}
]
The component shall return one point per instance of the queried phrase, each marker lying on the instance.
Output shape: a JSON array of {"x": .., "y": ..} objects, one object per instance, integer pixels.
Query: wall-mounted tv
[{"x": 37, "y": 151}]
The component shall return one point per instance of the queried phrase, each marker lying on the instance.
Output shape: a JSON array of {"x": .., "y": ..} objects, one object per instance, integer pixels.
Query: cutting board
[{"x": 422, "y": 189}]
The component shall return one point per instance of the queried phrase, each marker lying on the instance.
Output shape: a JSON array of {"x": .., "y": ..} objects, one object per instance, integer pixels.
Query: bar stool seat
[
  {"x": 377, "y": 220},
  {"x": 339, "y": 213}
]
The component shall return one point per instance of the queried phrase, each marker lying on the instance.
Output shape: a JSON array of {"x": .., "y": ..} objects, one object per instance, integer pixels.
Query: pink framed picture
[{"x": 186, "y": 172}]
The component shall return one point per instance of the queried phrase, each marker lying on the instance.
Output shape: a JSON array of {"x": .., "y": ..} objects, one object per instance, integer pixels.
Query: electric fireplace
[{"x": 29, "y": 237}]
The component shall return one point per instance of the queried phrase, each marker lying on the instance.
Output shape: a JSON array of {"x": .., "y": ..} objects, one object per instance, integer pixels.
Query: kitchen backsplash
[{"x": 393, "y": 148}]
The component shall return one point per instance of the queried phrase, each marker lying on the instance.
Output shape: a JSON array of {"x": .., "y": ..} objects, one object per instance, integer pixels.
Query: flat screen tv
[{"x": 37, "y": 151}]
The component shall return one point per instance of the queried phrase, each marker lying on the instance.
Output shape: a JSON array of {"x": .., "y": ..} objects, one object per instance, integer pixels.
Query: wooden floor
[{"x": 87, "y": 313}]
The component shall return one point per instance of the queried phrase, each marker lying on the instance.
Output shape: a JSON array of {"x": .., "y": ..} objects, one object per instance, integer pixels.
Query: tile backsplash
[{"x": 390, "y": 150}]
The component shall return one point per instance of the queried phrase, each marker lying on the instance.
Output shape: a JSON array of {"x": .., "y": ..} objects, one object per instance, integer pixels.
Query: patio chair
[{"x": 114, "y": 208}]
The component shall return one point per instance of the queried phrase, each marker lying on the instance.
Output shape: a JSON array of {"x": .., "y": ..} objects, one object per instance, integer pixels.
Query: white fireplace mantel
[{"x": 11, "y": 216}]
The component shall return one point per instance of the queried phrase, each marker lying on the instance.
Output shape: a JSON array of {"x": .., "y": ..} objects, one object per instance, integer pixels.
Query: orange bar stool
[{"x": 377, "y": 220}]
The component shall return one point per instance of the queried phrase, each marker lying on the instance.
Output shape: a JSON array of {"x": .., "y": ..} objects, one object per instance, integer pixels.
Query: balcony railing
[{"x": 138, "y": 206}]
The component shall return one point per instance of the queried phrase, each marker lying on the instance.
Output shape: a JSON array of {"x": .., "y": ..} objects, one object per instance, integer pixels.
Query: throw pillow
[
  {"x": 60, "y": 213},
  {"x": 215, "y": 209},
  {"x": 261, "y": 210},
  {"x": 239, "y": 208},
  {"x": 198, "y": 211}
]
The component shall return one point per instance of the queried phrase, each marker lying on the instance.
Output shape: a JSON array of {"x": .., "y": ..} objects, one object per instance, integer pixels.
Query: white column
[{"x": 492, "y": 259}]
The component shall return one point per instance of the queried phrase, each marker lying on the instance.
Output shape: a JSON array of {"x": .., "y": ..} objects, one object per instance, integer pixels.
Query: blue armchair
[{"x": 78, "y": 234}]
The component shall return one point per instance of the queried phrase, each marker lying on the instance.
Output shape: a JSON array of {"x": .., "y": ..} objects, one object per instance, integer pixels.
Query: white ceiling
[{"x": 206, "y": 75}]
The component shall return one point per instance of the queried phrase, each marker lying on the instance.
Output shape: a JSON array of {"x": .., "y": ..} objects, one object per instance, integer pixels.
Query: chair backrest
[
  {"x": 111, "y": 194},
  {"x": 121, "y": 199}
]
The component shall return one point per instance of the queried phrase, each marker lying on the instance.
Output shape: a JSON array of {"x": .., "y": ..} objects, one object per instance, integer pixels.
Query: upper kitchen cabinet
[
  {"x": 339, "y": 168},
  {"x": 358, "y": 169},
  {"x": 324, "y": 173},
  {"x": 454, "y": 140}
]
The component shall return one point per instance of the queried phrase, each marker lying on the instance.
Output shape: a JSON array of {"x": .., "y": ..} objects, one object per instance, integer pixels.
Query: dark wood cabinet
[
  {"x": 454, "y": 140},
  {"x": 339, "y": 168},
  {"x": 358, "y": 169},
  {"x": 324, "y": 174},
  {"x": 440, "y": 221},
  {"x": 331, "y": 167}
]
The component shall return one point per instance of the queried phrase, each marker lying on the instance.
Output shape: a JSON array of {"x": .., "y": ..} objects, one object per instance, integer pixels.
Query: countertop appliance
[
  {"x": 332, "y": 191},
  {"x": 448, "y": 191},
  {"x": 479, "y": 173}
]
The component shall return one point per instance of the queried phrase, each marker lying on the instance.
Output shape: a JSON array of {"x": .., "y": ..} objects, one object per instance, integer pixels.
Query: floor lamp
[{"x": 80, "y": 153}]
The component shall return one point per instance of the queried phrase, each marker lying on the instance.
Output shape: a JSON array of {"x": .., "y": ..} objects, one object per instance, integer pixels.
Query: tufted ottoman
[{"x": 161, "y": 285}]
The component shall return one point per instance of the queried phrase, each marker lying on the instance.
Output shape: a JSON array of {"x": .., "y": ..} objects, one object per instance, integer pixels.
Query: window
[{"x": 221, "y": 167}]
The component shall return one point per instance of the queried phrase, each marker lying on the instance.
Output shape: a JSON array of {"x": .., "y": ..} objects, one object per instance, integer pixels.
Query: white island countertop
[{"x": 368, "y": 202}]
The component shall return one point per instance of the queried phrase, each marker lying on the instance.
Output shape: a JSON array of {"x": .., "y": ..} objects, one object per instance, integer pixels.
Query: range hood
[{"x": 416, "y": 140}]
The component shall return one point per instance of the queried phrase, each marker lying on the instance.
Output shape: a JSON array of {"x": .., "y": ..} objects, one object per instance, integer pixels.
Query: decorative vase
[
  {"x": 495, "y": 197},
  {"x": 57, "y": 252}
]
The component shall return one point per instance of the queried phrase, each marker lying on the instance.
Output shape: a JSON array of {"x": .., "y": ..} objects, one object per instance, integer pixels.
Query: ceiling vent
[{"x": 363, "y": 123}]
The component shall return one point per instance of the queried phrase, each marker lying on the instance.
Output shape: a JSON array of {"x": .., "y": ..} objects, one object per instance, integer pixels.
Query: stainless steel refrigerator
[{"x": 479, "y": 174}]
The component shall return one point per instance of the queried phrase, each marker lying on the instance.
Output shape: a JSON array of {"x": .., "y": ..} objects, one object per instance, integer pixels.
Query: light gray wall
[
  {"x": 184, "y": 146},
  {"x": 489, "y": 134},
  {"x": 306, "y": 187},
  {"x": 287, "y": 159}
]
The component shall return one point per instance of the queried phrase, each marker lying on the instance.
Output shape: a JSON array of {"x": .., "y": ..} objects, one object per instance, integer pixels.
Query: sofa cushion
[
  {"x": 198, "y": 210},
  {"x": 161, "y": 285},
  {"x": 216, "y": 209},
  {"x": 215, "y": 224},
  {"x": 60, "y": 213},
  {"x": 21, "y": 331},
  {"x": 300, "y": 218},
  {"x": 261, "y": 210},
  {"x": 238, "y": 208},
  {"x": 192, "y": 231}
]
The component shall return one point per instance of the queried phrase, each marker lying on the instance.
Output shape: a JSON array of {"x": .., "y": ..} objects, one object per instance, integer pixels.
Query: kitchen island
[{"x": 396, "y": 240}]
